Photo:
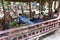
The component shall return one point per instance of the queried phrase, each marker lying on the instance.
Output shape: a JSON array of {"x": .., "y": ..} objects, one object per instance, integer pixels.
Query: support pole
[
  {"x": 3, "y": 6},
  {"x": 39, "y": 6},
  {"x": 12, "y": 5},
  {"x": 59, "y": 10},
  {"x": 30, "y": 8},
  {"x": 55, "y": 5},
  {"x": 59, "y": 3},
  {"x": 22, "y": 9}
]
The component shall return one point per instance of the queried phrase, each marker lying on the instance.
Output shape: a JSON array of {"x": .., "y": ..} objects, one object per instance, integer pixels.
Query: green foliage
[
  {"x": 0, "y": 4},
  {"x": 6, "y": 3},
  {"x": 13, "y": 24}
]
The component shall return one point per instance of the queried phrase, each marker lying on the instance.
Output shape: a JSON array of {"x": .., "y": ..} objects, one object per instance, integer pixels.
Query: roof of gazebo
[
  {"x": 29, "y": 0},
  {"x": 21, "y": 0}
]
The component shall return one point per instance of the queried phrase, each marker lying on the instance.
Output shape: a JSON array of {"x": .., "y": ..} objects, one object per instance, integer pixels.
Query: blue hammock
[{"x": 25, "y": 20}]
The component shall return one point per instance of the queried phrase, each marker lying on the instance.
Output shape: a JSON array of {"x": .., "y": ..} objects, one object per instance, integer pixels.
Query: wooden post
[
  {"x": 3, "y": 6},
  {"x": 59, "y": 3},
  {"x": 59, "y": 9},
  {"x": 22, "y": 9},
  {"x": 30, "y": 8},
  {"x": 51, "y": 10},
  {"x": 12, "y": 5},
  {"x": 55, "y": 5},
  {"x": 39, "y": 6}
]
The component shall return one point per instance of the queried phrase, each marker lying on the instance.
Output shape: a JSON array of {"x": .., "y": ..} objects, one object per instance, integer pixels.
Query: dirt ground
[{"x": 55, "y": 36}]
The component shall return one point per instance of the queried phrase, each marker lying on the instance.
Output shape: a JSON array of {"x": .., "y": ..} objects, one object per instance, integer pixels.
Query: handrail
[
  {"x": 19, "y": 28},
  {"x": 30, "y": 31}
]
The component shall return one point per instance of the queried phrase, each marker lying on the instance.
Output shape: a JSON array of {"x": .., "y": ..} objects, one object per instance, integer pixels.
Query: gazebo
[{"x": 41, "y": 3}]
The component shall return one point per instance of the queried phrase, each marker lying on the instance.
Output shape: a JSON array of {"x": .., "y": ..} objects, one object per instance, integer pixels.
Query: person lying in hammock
[
  {"x": 22, "y": 18},
  {"x": 38, "y": 18}
]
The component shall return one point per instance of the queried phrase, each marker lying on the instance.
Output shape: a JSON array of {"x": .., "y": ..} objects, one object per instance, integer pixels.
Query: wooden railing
[{"x": 30, "y": 32}]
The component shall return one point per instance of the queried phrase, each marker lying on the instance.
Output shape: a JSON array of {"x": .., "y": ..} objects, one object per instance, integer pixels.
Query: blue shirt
[
  {"x": 37, "y": 20},
  {"x": 24, "y": 19},
  {"x": 19, "y": 20}
]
